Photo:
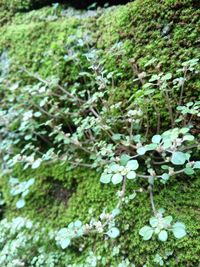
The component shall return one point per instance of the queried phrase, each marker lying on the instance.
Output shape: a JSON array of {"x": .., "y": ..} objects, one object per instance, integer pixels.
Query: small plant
[
  {"x": 162, "y": 260},
  {"x": 117, "y": 172},
  {"x": 105, "y": 225},
  {"x": 78, "y": 125},
  {"x": 21, "y": 189},
  {"x": 160, "y": 226}
]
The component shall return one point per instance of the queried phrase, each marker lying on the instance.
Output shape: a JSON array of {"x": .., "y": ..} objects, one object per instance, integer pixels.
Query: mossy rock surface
[
  {"x": 125, "y": 35},
  {"x": 25, "y": 5}
]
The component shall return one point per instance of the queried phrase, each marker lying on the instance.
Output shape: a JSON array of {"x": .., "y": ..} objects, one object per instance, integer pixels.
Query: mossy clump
[
  {"x": 127, "y": 38},
  {"x": 61, "y": 195},
  {"x": 167, "y": 32}
]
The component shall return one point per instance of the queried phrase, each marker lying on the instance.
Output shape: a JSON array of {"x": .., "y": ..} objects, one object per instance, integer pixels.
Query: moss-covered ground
[{"x": 127, "y": 35}]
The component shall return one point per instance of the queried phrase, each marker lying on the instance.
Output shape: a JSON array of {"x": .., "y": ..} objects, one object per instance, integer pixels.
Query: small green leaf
[
  {"x": 25, "y": 193},
  {"x": 132, "y": 165},
  {"x": 78, "y": 223},
  {"x": 167, "y": 144},
  {"x": 105, "y": 178},
  {"x": 146, "y": 232},
  {"x": 165, "y": 176},
  {"x": 147, "y": 85},
  {"x": 149, "y": 91},
  {"x": 28, "y": 137},
  {"x": 116, "y": 137},
  {"x": 154, "y": 78},
  {"x": 141, "y": 150},
  {"x": 197, "y": 165},
  {"x": 131, "y": 175},
  {"x": 184, "y": 130},
  {"x": 115, "y": 212},
  {"x": 124, "y": 159},
  {"x": 163, "y": 235},
  {"x": 144, "y": 229},
  {"x": 188, "y": 137},
  {"x": 114, "y": 167},
  {"x": 168, "y": 220},
  {"x": 36, "y": 164},
  {"x": 178, "y": 158},
  {"x": 161, "y": 210},
  {"x": 165, "y": 167},
  {"x": 156, "y": 139},
  {"x": 189, "y": 171},
  {"x": 153, "y": 221},
  {"x": 65, "y": 243},
  {"x": 117, "y": 178},
  {"x": 113, "y": 232},
  {"x": 20, "y": 203},
  {"x": 37, "y": 114},
  {"x": 167, "y": 76},
  {"x": 179, "y": 230},
  {"x": 151, "y": 147}
]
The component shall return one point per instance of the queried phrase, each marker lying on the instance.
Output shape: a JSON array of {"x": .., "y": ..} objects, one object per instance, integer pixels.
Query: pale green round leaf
[
  {"x": 167, "y": 144},
  {"x": 151, "y": 146},
  {"x": 197, "y": 165},
  {"x": 165, "y": 176},
  {"x": 115, "y": 212},
  {"x": 168, "y": 220},
  {"x": 146, "y": 232},
  {"x": 131, "y": 175},
  {"x": 141, "y": 150},
  {"x": 37, "y": 114},
  {"x": 167, "y": 76},
  {"x": 124, "y": 159},
  {"x": 114, "y": 167},
  {"x": 179, "y": 232},
  {"x": 189, "y": 171},
  {"x": 117, "y": 178},
  {"x": 105, "y": 178},
  {"x": 188, "y": 137},
  {"x": 163, "y": 235},
  {"x": 65, "y": 243},
  {"x": 36, "y": 164},
  {"x": 184, "y": 130},
  {"x": 153, "y": 221},
  {"x": 132, "y": 165},
  {"x": 113, "y": 232},
  {"x": 78, "y": 223},
  {"x": 179, "y": 224},
  {"x": 20, "y": 203},
  {"x": 156, "y": 139},
  {"x": 178, "y": 158}
]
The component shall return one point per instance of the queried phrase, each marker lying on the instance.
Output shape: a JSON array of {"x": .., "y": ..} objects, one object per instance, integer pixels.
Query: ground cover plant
[{"x": 100, "y": 136}]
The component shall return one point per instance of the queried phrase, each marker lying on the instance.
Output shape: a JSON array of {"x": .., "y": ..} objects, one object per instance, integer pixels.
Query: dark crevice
[
  {"x": 59, "y": 193},
  {"x": 78, "y": 4},
  {"x": 196, "y": 3}
]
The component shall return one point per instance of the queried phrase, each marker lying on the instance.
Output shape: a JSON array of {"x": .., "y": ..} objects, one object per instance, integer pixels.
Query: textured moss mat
[{"x": 127, "y": 36}]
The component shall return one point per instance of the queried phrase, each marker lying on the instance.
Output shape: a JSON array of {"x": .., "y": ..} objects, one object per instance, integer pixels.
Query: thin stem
[
  {"x": 169, "y": 108},
  {"x": 147, "y": 126},
  {"x": 43, "y": 110},
  {"x": 122, "y": 193},
  {"x": 182, "y": 88},
  {"x": 47, "y": 83},
  {"x": 152, "y": 200}
]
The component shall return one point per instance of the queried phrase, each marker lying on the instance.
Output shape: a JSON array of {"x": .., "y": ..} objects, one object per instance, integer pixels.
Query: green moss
[
  {"x": 167, "y": 31},
  {"x": 46, "y": 47},
  {"x": 136, "y": 33},
  {"x": 53, "y": 184},
  {"x": 49, "y": 204},
  {"x": 23, "y": 5}
]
